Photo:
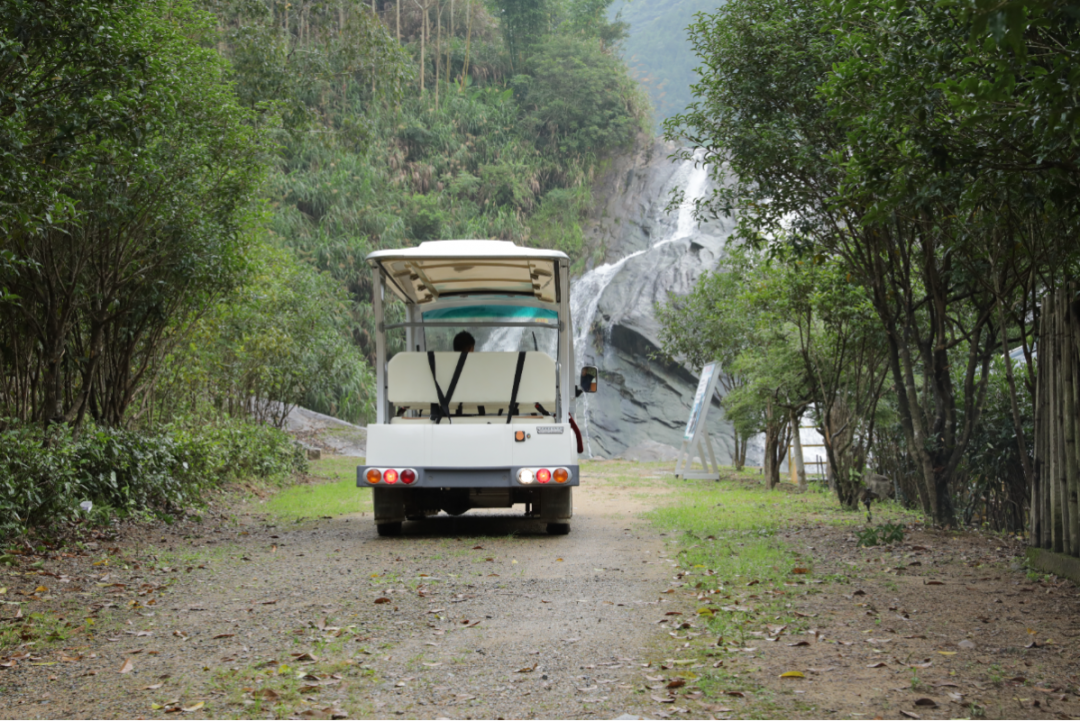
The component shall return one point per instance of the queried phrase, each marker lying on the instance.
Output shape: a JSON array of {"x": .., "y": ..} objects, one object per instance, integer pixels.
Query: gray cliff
[{"x": 642, "y": 254}]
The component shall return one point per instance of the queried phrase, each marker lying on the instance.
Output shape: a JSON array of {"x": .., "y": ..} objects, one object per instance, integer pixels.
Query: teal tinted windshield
[
  {"x": 486, "y": 325},
  {"x": 494, "y": 312}
]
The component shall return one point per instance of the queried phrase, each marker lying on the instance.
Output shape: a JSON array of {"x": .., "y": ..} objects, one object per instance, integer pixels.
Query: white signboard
[
  {"x": 703, "y": 387},
  {"x": 696, "y": 439}
]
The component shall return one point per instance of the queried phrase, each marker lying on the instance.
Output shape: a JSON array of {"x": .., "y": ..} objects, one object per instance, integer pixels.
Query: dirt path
[
  {"x": 485, "y": 616},
  {"x": 943, "y": 625},
  {"x": 481, "y": 616}
]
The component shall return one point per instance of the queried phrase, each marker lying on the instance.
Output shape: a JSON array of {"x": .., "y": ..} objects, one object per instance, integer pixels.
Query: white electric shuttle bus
[{"x": 486, "y": 426}]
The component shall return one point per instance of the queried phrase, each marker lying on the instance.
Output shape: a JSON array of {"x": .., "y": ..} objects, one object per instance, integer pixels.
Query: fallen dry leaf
[
  {"x": 792, "y": 674},
  {"x": 662, "y": 699},
  {"x": 677, "y": 683},
  {"x": 128, "y": 666},
  {"x": 800, "y": 643},
  {"x": 224, "y": 635},
  {"x": 193, "y": 707},
  {"x": 879, "y": 664},
  {"x": 929, "y": 702},
  {"x": 715, "y": 708},
  {"x": 382, "y": 599},
  {"x": 909, "y": 714}
]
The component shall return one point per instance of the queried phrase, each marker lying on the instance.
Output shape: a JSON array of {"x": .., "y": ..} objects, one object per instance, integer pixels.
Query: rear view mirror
[{"x": 588, "y": 379}]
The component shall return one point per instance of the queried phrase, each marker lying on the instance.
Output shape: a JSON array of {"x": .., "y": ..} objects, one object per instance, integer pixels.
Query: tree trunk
[
  {"x": 797, "y": 454},
  {"x": 438, "y": 49},
  {"x": 423, "y": 46},
  {"x": 1070, "y": 392},
  {"x": 468, "y": 42},
  {"x": 769, "y": 469},
  {"x": 738, "y": 458}
]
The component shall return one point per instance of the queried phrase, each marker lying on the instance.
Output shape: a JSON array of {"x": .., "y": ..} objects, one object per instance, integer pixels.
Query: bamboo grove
[{"x": 189, "y": 187}]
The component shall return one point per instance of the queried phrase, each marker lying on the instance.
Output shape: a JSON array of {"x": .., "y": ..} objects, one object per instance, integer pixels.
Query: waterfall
[
  {"x": 502, "y": 339},
  {"x": 692, "y": 178}
]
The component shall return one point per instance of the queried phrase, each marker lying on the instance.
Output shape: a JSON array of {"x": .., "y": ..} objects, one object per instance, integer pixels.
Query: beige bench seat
[{"x": 487, "y": 380}]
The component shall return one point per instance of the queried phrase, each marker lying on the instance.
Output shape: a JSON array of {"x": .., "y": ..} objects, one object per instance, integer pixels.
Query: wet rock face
[{"x": 648, "y": 253}]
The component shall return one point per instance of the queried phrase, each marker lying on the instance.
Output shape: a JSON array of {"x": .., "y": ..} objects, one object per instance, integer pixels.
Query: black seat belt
[
  {"x": 513, "y": 409},
  {"x": 443, "y": 409}
]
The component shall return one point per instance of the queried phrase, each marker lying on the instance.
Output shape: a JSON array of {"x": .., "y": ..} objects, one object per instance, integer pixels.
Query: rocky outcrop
[{"x": 647, "y": 253}]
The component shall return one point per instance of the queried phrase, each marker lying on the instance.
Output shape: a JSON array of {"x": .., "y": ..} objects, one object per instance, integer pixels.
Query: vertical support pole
[
  {"x": 680, "y": 462},
  {"x": 380, "y": 347},
  {"x": 566, "y": 365},
  {"x": 712, "y": 455}
]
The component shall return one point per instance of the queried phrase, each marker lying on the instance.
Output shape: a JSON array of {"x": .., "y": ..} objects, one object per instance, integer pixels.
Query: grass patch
[
  {"x": 334, "y": 492},
  {"x": 744, "y": 577},
  {"x": 39, "y": 629}
]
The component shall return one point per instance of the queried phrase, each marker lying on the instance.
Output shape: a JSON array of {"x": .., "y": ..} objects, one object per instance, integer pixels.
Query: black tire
[
  {"x": 389, "y": 529},
  {"x": 558, "y": 529}
]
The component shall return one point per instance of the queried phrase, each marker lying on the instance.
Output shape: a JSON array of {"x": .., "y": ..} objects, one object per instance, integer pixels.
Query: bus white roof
[{"x": 440, "y": 268}]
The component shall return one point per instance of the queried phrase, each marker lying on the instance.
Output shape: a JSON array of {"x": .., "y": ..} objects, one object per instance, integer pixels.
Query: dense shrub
[{"x": 44, "y": 476}]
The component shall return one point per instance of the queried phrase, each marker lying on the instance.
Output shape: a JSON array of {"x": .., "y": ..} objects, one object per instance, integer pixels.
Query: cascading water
[{"x": 586, "y": 292}]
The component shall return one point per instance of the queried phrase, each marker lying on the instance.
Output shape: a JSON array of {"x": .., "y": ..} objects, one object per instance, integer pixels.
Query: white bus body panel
[{"x": 470, "y": 445}]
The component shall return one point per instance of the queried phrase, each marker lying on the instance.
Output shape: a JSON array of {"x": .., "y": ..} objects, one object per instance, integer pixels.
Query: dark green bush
[{"x": 45, "y": 476}]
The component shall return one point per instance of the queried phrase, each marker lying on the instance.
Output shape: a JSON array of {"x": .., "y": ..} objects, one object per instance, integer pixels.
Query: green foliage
[
  {"x": 496, "y": 156},
  {"x": 281, "y": 340},
  {"x": 871, "y": 136},
  {"x": 44, "y": 476},
  {"x": 882, "y": 534},
  {"x": 157, "y": 230},
  {"x": 73, "y": 76},
  {"x": 523, "y": 23},
  {"x": 579, "y": 98},
  {"x": 992, "y": 490},
  {"x": 341, "y": 63},
  {"x": 557, "y": 222}
]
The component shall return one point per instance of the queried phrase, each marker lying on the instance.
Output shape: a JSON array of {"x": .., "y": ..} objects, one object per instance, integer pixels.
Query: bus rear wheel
[{"x": 389, "y": 529}]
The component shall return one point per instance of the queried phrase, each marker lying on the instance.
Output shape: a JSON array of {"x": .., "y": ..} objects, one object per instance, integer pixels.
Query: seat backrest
[{"x": 487, "y": 379}]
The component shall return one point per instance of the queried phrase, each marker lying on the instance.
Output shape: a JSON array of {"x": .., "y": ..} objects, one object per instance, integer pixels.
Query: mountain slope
[{"x": 657, "y": 50}]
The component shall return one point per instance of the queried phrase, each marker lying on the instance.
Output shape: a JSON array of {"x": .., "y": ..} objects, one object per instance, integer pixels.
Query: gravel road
[{"x": 480, "y": 616}]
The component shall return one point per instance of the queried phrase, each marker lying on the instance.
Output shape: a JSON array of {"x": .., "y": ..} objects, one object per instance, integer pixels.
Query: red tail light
[
  {"x": 390, "y": 476},
  {"x": 543, "y": 476},
  {"x": 408, "y": 476}
]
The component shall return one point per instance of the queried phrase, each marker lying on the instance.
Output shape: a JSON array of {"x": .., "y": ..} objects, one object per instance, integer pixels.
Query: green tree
[
  {"x": 73, "y": 79},
  {"x": 280, "y": 340},
  {"x": 579, "y": 98},
  {"x": 159, "y": 232},
  {"x": 842, "y": 144},
  {"x": 713, "y": 323}
]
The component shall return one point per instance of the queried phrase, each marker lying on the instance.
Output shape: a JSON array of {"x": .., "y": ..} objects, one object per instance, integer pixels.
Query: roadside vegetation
[
  {"x": 904, "y": 181},
  {"x": 331, "y": 492},
  {"x": 189, "y": 190}
]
